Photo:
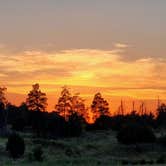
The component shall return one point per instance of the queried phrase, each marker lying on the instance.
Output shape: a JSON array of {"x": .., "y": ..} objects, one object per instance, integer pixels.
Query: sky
[{"x": 113, "y": 46}]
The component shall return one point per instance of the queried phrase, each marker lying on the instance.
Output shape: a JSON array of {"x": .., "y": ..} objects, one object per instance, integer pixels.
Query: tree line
[
  {"x": 70, "y": 116},
  {"x": 67, "y": 103},
  {"x": 70, "y": 119}
]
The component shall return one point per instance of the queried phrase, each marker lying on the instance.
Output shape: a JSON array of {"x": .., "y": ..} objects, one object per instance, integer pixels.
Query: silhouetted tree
[
  {"x": 15, "y": 145},
  {"x": 36, "y": 100},
  {"x": 75, "y": 125},
  {"x": 2, "y": 96},
  {"x": 78, "y": 106},
  {"x": 64, "y": 105},
  {"x": 104, "y": 122},
  {"x": 3, "y": 113},
  {"x": 18, "y": 116},
  {"x": 132, "y": 133},
  {"x": 36, "y": 103},
  {"x": 117, "y": 122},
  {"x": 161, "y": 115},
  {"x": 55, "y": 126},
  {"x": 25, "y": 113},
  {"x": 99, "y": 106},
  {"x": 13, "y": 113}
]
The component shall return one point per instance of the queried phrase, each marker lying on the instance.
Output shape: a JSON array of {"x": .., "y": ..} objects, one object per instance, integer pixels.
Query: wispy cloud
[
  {"x": 85, "y": 67},
  {"x": 121, "y": 45}
]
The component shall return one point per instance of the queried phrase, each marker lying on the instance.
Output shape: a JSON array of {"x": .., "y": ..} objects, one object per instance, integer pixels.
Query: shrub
[
  {"x": 161, "y": 115},
  {"x": 143, "y": 162},
  {"x": 38, "y": 153},
  {"x": 162, "y": 140},
  {"x": 15, "y": 145},
  {"x": 160, "y": 160},
  {"x": 135, "y": 133},
  {"x": 55, "y": 126},
  {"x": 150, "y": 162},
  {"x": 125, "y": 162},
  {"x": 103, "y": 123},
  {"x": 75, "y": 125},
  {"x": 69, "y": 152}
]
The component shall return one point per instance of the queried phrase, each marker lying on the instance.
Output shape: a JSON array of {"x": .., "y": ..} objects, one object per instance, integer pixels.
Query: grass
[{"x": 91, "y": 149}]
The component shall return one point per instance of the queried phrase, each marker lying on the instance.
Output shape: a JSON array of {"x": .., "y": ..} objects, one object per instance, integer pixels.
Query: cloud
[
  {"x": 121, "y": 45},
  {"x": 32, "y": 52},
  {"x": 85, "y": 67}
]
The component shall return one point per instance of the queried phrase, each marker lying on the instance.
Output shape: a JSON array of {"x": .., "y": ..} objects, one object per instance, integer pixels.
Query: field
[{"x": 93, "y": 148}]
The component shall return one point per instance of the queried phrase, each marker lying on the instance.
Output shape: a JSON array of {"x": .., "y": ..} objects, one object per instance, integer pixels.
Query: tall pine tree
[
  {"x": 64, "y": 105},
  {"x": 68, "y": 104},
  {"x": 99, "y": 106},
  {"x": 3, "y": 113},
  {"x": 36, "y": 100}
]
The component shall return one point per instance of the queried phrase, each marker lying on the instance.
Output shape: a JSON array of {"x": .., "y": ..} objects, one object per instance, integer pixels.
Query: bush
[
  {"x": 103, "y": 123},
  {"x": 38, "y": 153},
  {"x": 75, "y": 125},
  {"x": 15, "y": 145},
  {"x": 55, "y": 126},
  {"x": 162, "y": 140},
  {"x": 135, "y": 133},
  {"x": 160, "y": 160},
  {"x": 125, "y": 162}
]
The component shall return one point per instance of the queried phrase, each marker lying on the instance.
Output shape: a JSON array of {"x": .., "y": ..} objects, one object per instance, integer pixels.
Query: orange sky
[
  {"x": 87, "y": 71},
  {"x": 113, "y": 47},
  {"x": 141, "y": 78}
]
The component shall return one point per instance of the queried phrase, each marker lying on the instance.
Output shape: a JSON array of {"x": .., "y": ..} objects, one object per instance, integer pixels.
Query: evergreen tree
[
  {"x": 36, "y": 100},
  {"x": 161, "y": 115},
  {"x": 64, "y": 105},
  {"x": 3, "y": 99},
  {"x": 99, "y": 106},
  {"x": 3, "y": 113},
  {"x": 78, "y": 106},
  {"x": 68, "y": 104},
  {"x": 36, "y": 103}
]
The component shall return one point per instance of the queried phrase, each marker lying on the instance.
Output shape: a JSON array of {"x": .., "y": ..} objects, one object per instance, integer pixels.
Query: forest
[{"x": 71, "y": 120}]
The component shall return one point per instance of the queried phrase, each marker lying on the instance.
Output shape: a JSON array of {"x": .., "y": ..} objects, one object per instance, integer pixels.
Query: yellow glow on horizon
[{"x": 104, "y": 71}]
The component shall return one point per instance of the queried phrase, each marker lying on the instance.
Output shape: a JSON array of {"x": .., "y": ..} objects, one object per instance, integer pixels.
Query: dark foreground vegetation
[{"x": 32, "y": 136}]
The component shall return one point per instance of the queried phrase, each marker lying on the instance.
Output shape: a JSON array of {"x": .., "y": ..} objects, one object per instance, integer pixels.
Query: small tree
[
  {"x": 104, "y": 122},
  {"x": 36, "y": 100},
  {"x": 75, "y": 125},
  {"x": 133, "y": 133},
  {"x": 2, "y": 96},
  {"x": 15, "y": 145},
  {"x": 99, "y": 106},
  {"x": 161, "y": 115}
]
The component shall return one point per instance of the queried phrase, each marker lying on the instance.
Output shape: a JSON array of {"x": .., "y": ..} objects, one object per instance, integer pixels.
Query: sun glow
[{"x": 86, "y": 71}]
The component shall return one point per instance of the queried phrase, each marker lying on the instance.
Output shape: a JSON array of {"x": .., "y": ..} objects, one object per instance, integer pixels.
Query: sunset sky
[{"x": 117, "y": 47}]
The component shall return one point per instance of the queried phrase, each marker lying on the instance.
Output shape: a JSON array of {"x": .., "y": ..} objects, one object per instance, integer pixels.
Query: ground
[{"x": 91, "y": 149}]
